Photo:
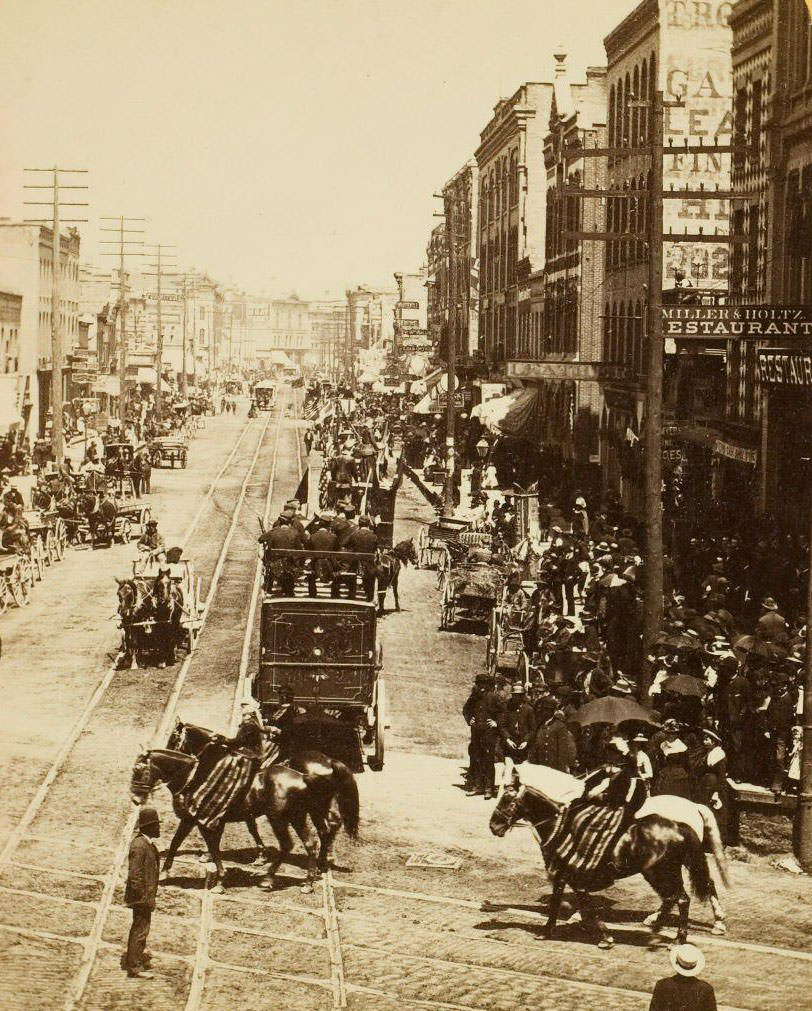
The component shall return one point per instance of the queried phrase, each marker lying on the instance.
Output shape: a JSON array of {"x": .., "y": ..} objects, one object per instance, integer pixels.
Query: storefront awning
[
  {"x": 515, "y": 414},
  {"x": 108, "y": 385},
  {"x": 146, "y": 374},
  {"x": 9, "y": 415}
]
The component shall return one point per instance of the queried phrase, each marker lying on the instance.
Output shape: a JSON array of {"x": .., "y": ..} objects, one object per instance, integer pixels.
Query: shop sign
[
  {"x": 753, "y": 322},
  {"x": 778, "y": 367},
  {"x": 412, "y": 326},
  {"x": 741, "y": 454},
  {"x": 416, "y": 344},
  {"x": 408, "y": 305}
]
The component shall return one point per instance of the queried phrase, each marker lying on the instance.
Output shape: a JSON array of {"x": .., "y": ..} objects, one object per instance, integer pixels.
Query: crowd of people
[{"x": 724, "y": 676}]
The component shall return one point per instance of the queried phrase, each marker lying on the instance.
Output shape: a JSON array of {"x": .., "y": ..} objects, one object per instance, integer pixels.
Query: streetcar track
[
  {"x": 79, "y": 984},
  {"x": 15, "y": 836},
  {"x": 708, "y": 939}
]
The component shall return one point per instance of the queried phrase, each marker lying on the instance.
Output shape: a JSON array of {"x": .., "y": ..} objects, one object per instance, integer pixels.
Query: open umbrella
[
  {"x": 751, "y": 645},
  {"x": 677, "y": 641},
  {"x": 684, "y": 684},
  {"x": 612, "y": 710}
]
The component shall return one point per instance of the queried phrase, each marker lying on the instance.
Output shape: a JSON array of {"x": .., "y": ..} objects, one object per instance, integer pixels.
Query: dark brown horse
[
  {"x": 335, "y": 792},
  {"x": 654, "y": 846},
  {"x": 388, "y": 570},
  {"x": 133, "y": 606},
  {"x": 281, "y": 794},
  {"x": 168, "y": 609}
]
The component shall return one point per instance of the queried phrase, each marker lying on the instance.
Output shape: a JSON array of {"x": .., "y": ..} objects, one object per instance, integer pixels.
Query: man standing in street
[
  {"x": 684, "y": 992},
  {"x": 140, "y": 892}
]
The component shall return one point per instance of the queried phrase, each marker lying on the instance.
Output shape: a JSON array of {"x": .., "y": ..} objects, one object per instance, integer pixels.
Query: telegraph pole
[
  {"x": 123, "y": 230},
  {"x": 57, "y": 441},
  {"x": 653, "y": 563},
  {"x": 159, "y": 275},
  {"x": 183, "y": 373},
  {"x": 451, "y": 358}
]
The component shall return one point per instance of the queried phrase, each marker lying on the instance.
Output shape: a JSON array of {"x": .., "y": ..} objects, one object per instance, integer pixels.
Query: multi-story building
[
  {"x": 26, "y": 259},
  {"x": 437, "y": 306},
  {"x": 328, "y": 325},
  {"x": 558, "y": 345},
  {"x": 277, "y": 330},
  {"x": 461, "y": 205},
  {"x": 370, "y": 321},
  {"x": 410, "y": 333},
  {"x": 12, "y": 384},
  {"x": 682, "y": 51},
  {"x": 512, "y": 213},
  {"x": 784, "y": 273}
]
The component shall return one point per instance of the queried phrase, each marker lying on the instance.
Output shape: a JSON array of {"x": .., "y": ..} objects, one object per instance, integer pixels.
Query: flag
[{"x": 303, "y": 491}]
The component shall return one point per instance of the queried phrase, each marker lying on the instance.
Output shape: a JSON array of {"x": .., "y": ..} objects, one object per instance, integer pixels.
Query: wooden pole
[
  {"x": 451, "y": 364},
  {"x": 122, "y": 311},
  {"x": 653, "y": 562},
  {"x": 804, "y": 832},
  {"x": 160, "y": 349},
  {"x": 56, "y": 333}
]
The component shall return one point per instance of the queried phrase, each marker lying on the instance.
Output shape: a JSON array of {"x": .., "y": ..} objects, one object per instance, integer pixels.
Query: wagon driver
[{"x": 151, "y": 542}]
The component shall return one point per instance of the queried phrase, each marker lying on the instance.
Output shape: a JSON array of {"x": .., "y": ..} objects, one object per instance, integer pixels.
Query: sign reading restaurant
[
  {"x": 719, "y": 322},
  {"x": 782, "y": 367}
]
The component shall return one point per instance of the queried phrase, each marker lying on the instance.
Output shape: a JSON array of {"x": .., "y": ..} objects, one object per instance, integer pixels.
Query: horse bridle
[{"x": 534, "y": 825}]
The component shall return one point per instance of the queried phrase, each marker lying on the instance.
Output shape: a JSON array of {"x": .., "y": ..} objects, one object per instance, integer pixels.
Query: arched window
[
  {"x": 624, "y": 224},
  {"x": 652, "y": 78},
  {"x": 505, "y": 185},
  {"x": 627, "y": 89},
  {"x": 635, "y": 111},
  {"x": 638, "y": 338},
  {"x": 611, "y": 124},
  {"x": 620, "y": 103},
  {"x": 492, "y": 201},
  {"x": 606, "y": 350},
  {"x": 514, "y": 179},
  {"x": 633, "y": 218},
  {"x": 643, "y": 122}
]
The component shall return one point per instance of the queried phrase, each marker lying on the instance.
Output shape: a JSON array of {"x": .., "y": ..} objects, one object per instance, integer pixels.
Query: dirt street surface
[{"x": 426, "y": 910}]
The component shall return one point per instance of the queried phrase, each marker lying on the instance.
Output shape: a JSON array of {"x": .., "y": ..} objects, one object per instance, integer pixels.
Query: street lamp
[{"x": 482, "y": 448}]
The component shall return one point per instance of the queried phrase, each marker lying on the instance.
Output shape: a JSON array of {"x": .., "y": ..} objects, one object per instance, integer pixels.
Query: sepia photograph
[{"x": 406, "y": 505}]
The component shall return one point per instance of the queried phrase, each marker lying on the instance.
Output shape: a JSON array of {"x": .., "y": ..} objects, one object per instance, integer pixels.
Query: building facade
[
  {"x": 682, "y": 51},
  {"x": 512, "y": 212},
  {"x": 328, "y": 324},
  {"x": 785, "y": 393},
  {"x": 26, "y": 262},
  {"x": 437, "y": 303},
  {"x": 461, "y": 207}
]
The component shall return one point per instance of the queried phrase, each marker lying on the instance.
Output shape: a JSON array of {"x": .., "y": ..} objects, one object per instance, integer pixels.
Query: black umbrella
[
  {"x": 612, "y": 710},
  {"x": 684, "y": 684}
]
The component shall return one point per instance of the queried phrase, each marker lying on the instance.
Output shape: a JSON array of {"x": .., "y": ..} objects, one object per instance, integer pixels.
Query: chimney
[{"x": 560, "y": 58}]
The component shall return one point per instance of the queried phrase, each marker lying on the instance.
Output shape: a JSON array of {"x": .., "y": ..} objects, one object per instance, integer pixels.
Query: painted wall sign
[{"x": 741, "y": 454}]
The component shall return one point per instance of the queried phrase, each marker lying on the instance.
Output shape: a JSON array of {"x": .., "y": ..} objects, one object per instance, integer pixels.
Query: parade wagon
[
  {"x": 324, "y": 650},
  {"x": 434, "y": 537},
  {"x": 49, "y": 538},
  {"x": 168, "y": 450},
  {"x": 510, "y": 620}
]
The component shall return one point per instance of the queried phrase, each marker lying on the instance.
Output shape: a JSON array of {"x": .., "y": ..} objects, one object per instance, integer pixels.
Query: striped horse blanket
[
  {"x": 228, "y": 782},
  {"x": 582, "y": 843}
]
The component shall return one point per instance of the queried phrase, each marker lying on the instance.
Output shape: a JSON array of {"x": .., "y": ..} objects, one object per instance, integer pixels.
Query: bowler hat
[
  {"x": 148, "y": 816},
  {"x": 769, "y": 604}
]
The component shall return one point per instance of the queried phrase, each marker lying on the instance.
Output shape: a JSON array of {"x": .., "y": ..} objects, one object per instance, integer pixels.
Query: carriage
[
  {"x": 265, "y": 395},
  {"x": 434, "y": 538},
  {"x": 16, "y": 579},
  {"x": 168, "y": 450},
  {"x": 468, "y": 590},
  {"x": 49, "y": 537},
  {"x": 324, "y": 649},
  {"x": 143, "y": 631},
  {"x": 506, "y": 653}
]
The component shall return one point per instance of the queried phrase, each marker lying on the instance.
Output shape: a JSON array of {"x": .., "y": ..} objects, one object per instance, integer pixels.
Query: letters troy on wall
[{"x": 696, "y": 69}]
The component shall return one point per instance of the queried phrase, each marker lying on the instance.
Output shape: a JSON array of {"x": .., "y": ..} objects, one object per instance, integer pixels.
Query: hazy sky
[{"x": 281, "y": 146}]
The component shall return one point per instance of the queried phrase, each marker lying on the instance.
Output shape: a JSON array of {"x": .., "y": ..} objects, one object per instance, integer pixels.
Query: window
[
  {"x": 643, "y": 121},
  {"x": 514, "y": 179},
  {"x": 611, "y": 124},
  {"x": 755, "y": 122},
  {"x": 635, "y": 111}
]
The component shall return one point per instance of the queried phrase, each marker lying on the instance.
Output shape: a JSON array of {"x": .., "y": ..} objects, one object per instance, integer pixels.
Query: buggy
[{"x": 168, "y": 450}]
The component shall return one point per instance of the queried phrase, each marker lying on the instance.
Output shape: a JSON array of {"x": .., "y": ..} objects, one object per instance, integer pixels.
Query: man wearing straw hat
[{"x": 684, "y": 991}]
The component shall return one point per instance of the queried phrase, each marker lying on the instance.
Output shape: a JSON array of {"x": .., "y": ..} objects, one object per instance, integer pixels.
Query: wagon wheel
[
  {"x": 20, "y": 581},
  {"x": 523, "y": 669},
  {"x": 50, "y": 547},
  {"x": 60, "y": 538},
  {"x": 375, "y": 760},
  {"x": 145, "y": 516},
  {"x": 125, "y": 532},
  {"x": 39, "y": 558}
]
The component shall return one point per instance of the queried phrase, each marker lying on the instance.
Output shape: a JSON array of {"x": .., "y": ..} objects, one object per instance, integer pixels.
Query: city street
[{"x": 426, "y": 909}]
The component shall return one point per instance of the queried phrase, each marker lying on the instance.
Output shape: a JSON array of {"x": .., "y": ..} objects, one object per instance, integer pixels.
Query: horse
[
  {"x": 335, "y": 792},
  {"x": 168, "y": 598},
  {"x": 388, "y": 569},
  {"x": 133, "y": 606},
  {"x": 283, "y": 795},
  {"x": 100, "y": 511},
  {"x": 655, "y": 845}
]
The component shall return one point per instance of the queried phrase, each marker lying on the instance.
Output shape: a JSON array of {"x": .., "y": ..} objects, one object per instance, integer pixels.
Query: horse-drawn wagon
[
  {"x": 168, "y": 450},
  {"x": 159, "y": 610},
  {"x": 324, "y": 650},
  {"x": 16, "y": 579},
  {"x": 469, "y": 589},
  {"x": 511, "y": 623},
  {"x": 265, "y": 395},
  {"x": 434, "y": 537}
]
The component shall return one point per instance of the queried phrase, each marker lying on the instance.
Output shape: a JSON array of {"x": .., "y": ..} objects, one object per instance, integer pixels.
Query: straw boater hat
[
  {"x": 769, "y": 604},
  {"x": 687, "y": 959}
]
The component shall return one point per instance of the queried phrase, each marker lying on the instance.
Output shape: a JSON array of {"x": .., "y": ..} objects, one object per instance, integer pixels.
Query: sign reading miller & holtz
[
  {"x": 756, "y": 322},
  {"x": 782, "y": 367}
]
